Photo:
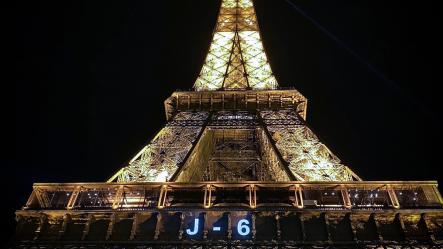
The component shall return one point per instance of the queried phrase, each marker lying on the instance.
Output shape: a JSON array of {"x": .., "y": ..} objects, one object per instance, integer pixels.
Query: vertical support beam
[
  {"x": 90, "y": 220},
  {"x": 182, "y": 226},
  {"x": 305, "y": 110},
  {"x": 345, "y": 195},
  {"x": 235, "y": 101},
  {"x": 157, "y": 226},
  {"x": 223, "y": 101},
  {"x": 252, "y": 196},
  {"x": 246, "y": 101},
  {"x": 205, "y": 197},
  {"x": 177, "y": 97},
  {"x": 118, "y": 197},
  {"x": 111, "y": 226},
  {"x": 277, "y": 221},
  {"x": 43, "y": 219},
  {"x": 205, "y": 228},
  {"x": 134, "y": 227},
  {"x": 66, "y": 220},
  {"x": 162, "y": 196},
  {"x": 200, "y": 102},
  {"x": 189, "y": 101},
  {"x": 229, "y": 227},
  {"x": 302, "y": 224},
  {"x": 254, "y": 230},
  {"x": 425, "y": 217},
  {"x": 328, "y": 230},
  {"x": 207, "y": 202},
  {"x": 298, "y": 196},
  {"x": 402, "y": 224},
  {"x": 73, "y": 198},
  {"x": 281, "y": 100},
  {"x": 269, "y": 100}
]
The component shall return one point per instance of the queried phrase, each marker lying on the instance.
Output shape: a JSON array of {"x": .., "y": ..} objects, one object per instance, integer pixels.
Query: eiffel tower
[
  {"x": 236, "y": 166},
  {"x": 237, "y": 125}
]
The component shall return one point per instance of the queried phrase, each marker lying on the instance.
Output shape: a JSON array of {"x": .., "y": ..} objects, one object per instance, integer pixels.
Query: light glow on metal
[
  {"x": 236, "y": 58},
  {"x": 307, "y": 158},
  {"x": 159, "y": 160}
]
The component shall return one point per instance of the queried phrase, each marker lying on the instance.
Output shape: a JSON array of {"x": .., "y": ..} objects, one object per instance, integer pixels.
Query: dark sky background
[{"x": 91, "y": 78}]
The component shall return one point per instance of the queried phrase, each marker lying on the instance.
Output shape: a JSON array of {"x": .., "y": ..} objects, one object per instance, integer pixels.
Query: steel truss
[
  {"x": 279, "y": 146},
  {"x": 160, "y": 159},
  {"x": 307, "y": 158},
  {"x": 236, "y": 57}
]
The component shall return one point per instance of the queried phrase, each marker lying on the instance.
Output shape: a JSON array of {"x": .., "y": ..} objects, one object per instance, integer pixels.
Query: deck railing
[{"x": 249, "y": 195}]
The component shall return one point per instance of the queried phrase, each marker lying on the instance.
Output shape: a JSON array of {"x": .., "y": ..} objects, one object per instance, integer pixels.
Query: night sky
[{"x": 91, "y": 78}]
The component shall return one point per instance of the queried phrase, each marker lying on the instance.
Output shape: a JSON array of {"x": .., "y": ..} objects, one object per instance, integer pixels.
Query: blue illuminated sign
[
  {"x": 195, "y": 230},
  {"x": 242, "y": 227}
]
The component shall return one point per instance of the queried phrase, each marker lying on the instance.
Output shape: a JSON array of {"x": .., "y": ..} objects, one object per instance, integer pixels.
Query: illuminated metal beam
[{"x": 236, "y": 57}]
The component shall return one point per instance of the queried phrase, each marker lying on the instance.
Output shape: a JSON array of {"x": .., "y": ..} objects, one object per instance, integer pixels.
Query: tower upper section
[{"x": 236, "y": 59}]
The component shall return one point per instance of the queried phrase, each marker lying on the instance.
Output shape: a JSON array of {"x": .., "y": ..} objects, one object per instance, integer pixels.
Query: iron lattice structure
[
  {"x": 158, "y": 160},
  {"x": 236, "y": 61},
  {"x": 237, "y": 150},
  {"x": 273, "y": 144},
  {"x": 236, "y": 57}
]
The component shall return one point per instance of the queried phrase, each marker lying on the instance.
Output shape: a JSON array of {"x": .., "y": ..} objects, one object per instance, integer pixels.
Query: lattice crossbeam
[
  {"x": 160, "y": 159},
  {"x": 307, "y": 157}
]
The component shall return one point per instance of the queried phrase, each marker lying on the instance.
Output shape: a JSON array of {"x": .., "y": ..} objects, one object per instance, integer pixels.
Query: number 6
[{"x": 242, "y": 227}]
